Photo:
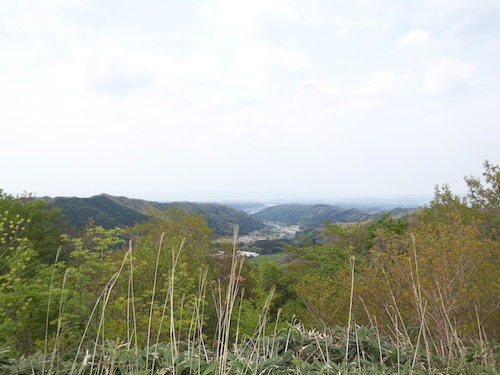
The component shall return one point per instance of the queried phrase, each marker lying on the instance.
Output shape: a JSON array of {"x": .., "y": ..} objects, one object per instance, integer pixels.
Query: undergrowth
[{"x": 293, "y": 350}]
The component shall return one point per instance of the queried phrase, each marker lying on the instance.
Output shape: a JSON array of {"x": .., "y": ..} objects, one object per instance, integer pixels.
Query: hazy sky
[{"x": 247, "y": 99}]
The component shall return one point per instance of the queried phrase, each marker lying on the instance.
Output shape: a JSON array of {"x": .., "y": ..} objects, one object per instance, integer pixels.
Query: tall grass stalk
[
  {"x": 236, "y": 340},
  {"x": 131, "y": 315},
  {"x": 131, "y": 319},
  {"x": 47, "y": 317},
  {"x": 225, "y": 308},
  {"x": 379, "y": 341},
  {"x": 349, "y": 320},
  {"x": 421, "y": 306},
  {"x": 358, "y": 351},
  {"x": 59, "y": 321},
  {"x": 82, "y": 340},
  {"x": 175, "y": 259},
  {"x": 169, "y": 300},
  {"x": 397, "y": 318},
  {"x": 110, "y": 283},
  {"x": 259, "y": 338},
  {"x": 108, "y": 289},
  {"x": 275, "y": 332},
  {"x": 153, "y": 299},
  {"x": 195, "y": 334}
]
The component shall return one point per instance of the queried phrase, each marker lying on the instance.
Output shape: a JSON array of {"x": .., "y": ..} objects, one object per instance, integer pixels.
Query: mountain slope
[
  {"x": 313, "y": 215},
  {"x": 221, "y": 217},
  {"x": 109, "y": 212},
  {"x": 102, "y": 210}
]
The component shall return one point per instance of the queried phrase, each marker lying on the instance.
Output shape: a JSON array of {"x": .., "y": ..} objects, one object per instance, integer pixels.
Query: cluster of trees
[
  {"x": 62, "y": 290},
  {"x": 436, "y": 274}
]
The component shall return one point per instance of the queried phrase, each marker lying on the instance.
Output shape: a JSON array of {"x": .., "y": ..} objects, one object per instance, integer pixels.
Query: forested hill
[
  {"x": 221, "y": 217},
  {"x": 110, "y": 211},
  {"x": 315, "y": 215}
]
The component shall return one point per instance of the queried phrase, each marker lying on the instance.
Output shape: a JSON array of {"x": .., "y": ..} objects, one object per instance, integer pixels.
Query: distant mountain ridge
[
  {"x": 111, "y": 211},
  {"x": 315, "y": 215}
]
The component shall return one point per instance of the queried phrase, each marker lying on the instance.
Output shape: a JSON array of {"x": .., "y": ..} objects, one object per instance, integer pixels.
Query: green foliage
[
  {"x": 324, "y": 260},
  {"x": 349, "y": 237},
  {"x": 386, "y": 224},
  {"x": 27, "y": 230},
  {"x": 174, "y": 239},
  {"x": 319, "y": 294},
  {"x": 6, "y": 359},
  {"x": 23, "y": 296},
  {"x": 442, "y": 272},
  {"x": 161, "y": 297},
  {"x": 41, "y": 226},
  {"x": 312, "y": 271},
  {"x": 271, "y": 277},
  {"x": 481, "y": 204},
  {"x": 446, "y": 268},
  {"x": 484, "y": 199},
  {"x": 10, "y": 237},
  {"x": 485, "y": 196},
  {"x": 291, "y": 350}
]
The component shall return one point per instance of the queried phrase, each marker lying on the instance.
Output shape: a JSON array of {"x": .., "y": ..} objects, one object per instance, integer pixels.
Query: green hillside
[
  {"x": 101, "y": 209},
  {"x": 110, "y": 212},
  {"x": 312, "y": 216},
  {"x": 220, "y": 217}
]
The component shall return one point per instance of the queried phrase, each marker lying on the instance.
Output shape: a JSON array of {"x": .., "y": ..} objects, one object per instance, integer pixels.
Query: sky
[{"x": 218, "y": 100}]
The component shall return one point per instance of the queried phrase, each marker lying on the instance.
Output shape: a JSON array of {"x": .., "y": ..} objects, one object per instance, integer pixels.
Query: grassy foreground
[
  {"x": 292, "y": 350},
  {"x": 288, "y": 351}
]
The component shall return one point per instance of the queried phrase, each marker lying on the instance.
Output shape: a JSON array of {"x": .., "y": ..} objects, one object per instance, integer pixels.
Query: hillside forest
[{"x": 412, "y": 294}]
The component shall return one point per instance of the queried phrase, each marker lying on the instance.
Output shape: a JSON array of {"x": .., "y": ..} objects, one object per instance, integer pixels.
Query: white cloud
[
  {"x": 241, "y": 131},
  {"x": 414, "y": 38},
  {"x": 317, "y": 86},
  {"x": 382, "y": 82},
  {"x": 235, "y": 15},
  {"x": 351, "y": 107},
  {"x": 63, "y": 3},
  {"x": 446, "y": 73},
  {"x": 420, "y": 40},
  {"x": 112, "y": 67},
  {"x": 345, "y": 26},
  {"x": 291, "y": 59},
  {"x": 254, "y": 60}
]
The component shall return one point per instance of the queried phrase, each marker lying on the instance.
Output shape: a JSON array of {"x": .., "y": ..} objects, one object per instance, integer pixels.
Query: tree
[
  {"x": 29, "y": 239},
  {"x": 43, "y": 227},
  {"x": 170, "y": 252},
  {"x": 443, "y": 271},
  {"x": 386, "y": 224},
  {"x": 315, "y": 268},
  {"x": 441, "y": 274},
  {"x": 485, "y": 196},
  {"x": 24, "y": 286},
  {"x": 484, "y": 199}
]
